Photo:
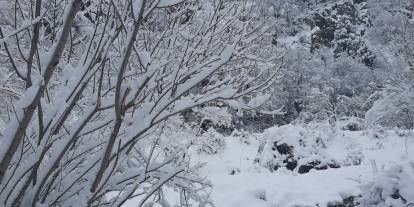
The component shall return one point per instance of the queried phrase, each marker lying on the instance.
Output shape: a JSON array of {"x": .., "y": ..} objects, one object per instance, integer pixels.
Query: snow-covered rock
[{"x": 301, "y": 148}]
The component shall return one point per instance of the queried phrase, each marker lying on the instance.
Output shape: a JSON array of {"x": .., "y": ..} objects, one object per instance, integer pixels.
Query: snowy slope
[{"x": 237, "y": 181}]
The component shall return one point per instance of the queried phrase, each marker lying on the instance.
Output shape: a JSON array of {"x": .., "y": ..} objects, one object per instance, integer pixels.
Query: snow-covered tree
[
  {"x": 98, "y": 77},
  {"x": 392, "y": 34}
]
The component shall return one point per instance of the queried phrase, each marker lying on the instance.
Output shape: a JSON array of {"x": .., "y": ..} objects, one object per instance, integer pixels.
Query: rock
[
  {"x": 291, "y": 163},
  {"x": 312, "y": 165},
  {"x": 346, "y": 202},
  {"x": 284, "y": 149},
  {"x": 353, "y": 124},
  {"x": 303, "y": 148},
  {"x": 305, "y": 169}
]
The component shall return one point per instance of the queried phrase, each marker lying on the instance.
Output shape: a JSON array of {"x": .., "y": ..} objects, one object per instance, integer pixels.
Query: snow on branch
[{"x": 95, "y": 104}]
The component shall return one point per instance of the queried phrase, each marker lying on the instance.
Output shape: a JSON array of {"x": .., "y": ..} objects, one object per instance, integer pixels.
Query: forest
[{"x": 207, "y": 103}]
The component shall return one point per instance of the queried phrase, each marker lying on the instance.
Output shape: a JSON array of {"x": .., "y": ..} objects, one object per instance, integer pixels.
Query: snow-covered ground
[{"x": 238, "y": 181}]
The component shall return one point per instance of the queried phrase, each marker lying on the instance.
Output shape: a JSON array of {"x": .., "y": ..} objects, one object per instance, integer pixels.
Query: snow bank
[
  {"x": 239, "y": 177},
  {"x": 305, "y": 147},
  {"x": 240, "y": 181}
]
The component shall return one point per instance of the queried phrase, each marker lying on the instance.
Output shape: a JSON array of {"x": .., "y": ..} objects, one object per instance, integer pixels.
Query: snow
[
  {"x": 137, "y": 5},
  {"x": 166, "y": 3},
  {"x": 3, "y": 4},
  {"x": 13, "y": 126},
  {"x": 283, "y": 189},
  {"x": 259, "y": 100},
  {"x": 238, "y": 180},
  {"x": 24, "y": 25},
  {"x": 171, "y": 79}
]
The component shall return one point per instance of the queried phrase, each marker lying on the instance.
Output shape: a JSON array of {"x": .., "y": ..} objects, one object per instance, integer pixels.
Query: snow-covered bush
[
  {"x": 176, "y": 137},
  {"x": 244, "y": 136},
  {"x": 393, "y": 32},
  {"x": 301, "y": 148},
  {"x": 395, "y": 108},
  {"x": 204, "y": 118},
  {"x": 392, "y": 186},
  {"x": 211, "y": 142}
]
